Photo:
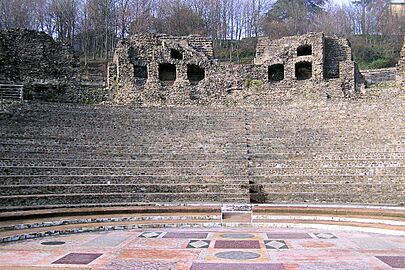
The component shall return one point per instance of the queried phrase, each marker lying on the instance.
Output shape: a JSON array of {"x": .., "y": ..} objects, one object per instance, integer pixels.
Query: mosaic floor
[{"x": 199, "y": 249}]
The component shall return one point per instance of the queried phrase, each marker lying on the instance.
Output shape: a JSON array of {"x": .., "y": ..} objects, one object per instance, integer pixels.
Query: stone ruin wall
[
  {"x": 381, "y": 75},
  {"x": 401, "y": 68},
  {"x": 45, "y": 67},
  {"x": 49, "y": 70},
  {"x": 271, "y": 77}
]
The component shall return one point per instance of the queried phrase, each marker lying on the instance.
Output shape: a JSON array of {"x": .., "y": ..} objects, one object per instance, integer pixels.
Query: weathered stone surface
[
  {"x": 401, "y": 67},
  {"x": 275, "y": 75},
  {"x": 373, "y": 76},
  {"x": 49, "y": 70}
]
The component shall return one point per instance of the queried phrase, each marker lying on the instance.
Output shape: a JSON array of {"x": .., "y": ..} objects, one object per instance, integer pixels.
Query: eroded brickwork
[
  {"x": 163, "y": 70},
  {"x": 48, "y": 69},
  {"x": 401, "y": 67},
  {"x": 45, "y": 67}
]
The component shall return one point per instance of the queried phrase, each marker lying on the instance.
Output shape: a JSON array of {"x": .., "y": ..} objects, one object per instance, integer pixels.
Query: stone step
[
  {"x": 344, "y": 196},
  {"x": 229, "y": 170},
  {"x": 215, "y": 180},
  {"x": 360, "y": 188},
  {"x": 200, "y": 148},
  {"x": 253, "y": 166},
  {"x": 119, "y": 179},
  {"x": 163, "y": 171},
  {"x": 35, "y": 140},
  {"x": 36, "y": 189},
  {"x": 281, "y": 155},
  {"x": 51, "y": 222},
  {"x": 297, "y": 163},
  {"x": 137, "y": 149},
  {"x": 325, "y": 179},
  {"x": 131, "y": 156},
  {"x": 400, "y": 171},
  {"x": 120, "y": 162},
  {"x": 10, "y": 236},
  {"x": 49, "y": 200}
]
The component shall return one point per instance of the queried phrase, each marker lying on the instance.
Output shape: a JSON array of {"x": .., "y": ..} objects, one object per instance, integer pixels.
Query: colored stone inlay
[
  {"x": 78, "y": 258},
  {"x": 237, "y": 235},
  {"x": 393, "y": 261},
  {"x": 239, "y": 244},
  {"x": 237, "y": 255},
  {"x": 53, "y": 243},
  {"x": 186, "y": 235},
  {"x": 237, "y": 266},
  {"x": 288, "y": 236},
  {"x": 237, "y": 217},
  {"x": 325, "y": 235},
  {"x": 336, "y": 266},
  {"x": 275, "y": 244},
  {"x": 106, "y": 241},
  {"x": 129, "y": 265},
  {"x": 198, "y": 244},
  {"x": 150, "y": 234}
]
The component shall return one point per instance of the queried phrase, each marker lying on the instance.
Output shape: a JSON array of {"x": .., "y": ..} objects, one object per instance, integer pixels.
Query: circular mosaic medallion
[
  {"x": 238, "y": 235},
  {"x": 53, "y": 243},
  {"x": 237, "y": 255}
]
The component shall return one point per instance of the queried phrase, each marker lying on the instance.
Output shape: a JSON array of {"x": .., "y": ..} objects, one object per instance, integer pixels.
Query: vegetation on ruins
[
  {"x": 253, "y": 83},
  {"x": 93, "y": 27}
]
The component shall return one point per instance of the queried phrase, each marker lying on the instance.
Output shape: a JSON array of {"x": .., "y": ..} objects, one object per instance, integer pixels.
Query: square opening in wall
[
  {"x": 304, "y": 50},
  {"x": 303, "y": 70},
  {"x": 175, "y": 54},
  {"x": 167, "y": 72},
  {"x": 276, "y": 72},
  {"x": 140, "y": 72},
  {"x": 195, "y": 73}
]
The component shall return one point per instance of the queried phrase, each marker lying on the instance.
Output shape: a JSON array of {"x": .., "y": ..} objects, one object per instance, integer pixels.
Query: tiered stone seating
[
  {"x": 321, "y": 152},
  {"x": 306, "y": 151},
  {"x": 30, "y": 224},
  {"x": 65, "y": 155}
]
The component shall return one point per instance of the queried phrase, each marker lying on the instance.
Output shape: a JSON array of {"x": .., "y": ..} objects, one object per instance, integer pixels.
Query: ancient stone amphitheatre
[{"x": 190, "y": 163}]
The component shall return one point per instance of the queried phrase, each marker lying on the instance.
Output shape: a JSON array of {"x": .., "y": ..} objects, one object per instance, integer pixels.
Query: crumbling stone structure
[
  {"x": 45, "y": 67},
  {"x": 49, "y": 70},
  {"x": 156, "y": 69},
  {"x": 401, "y": 67}
]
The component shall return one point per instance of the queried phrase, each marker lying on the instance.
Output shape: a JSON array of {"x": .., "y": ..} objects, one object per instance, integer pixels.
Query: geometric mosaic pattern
[
  {"x": 275, "y": 244},
  {"x": 198, "y": 244},
  {"x": 129, "y": 265},
  {"x": 325, "y": 235},
  {"x": 230, "y": 249},
  {"x": 336, "y": 266},
  {"x": 237, "y": 244},
  {"x": 78, "y": 258},
  {"x": 150, "y": 234},
  {"x": 237, "y": 235},
  {"x": 288, "y": 236},
  {"x": 393, "y": 261},
  {"x": 186, "y": 235},
  {"x": 237, "y": 266},
  {"x": 237, "y": 255},
  {"x": 106, "y": 241}
]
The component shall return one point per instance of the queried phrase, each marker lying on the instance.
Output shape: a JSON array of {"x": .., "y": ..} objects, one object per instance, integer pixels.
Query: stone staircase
[
  {"x": 65, "y": 155},
  {"x": 60, "y": 155},
  {"x": 93, "y": 75},
  {"x": 11, "y": 91},
  {"x": 348, "y": 152},
  {"x": 29, "y": 224}
]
